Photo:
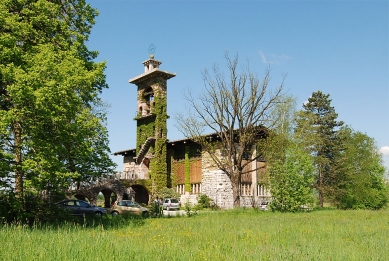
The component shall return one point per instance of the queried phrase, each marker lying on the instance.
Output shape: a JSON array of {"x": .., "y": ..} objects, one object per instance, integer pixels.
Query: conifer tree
[{"x": 317, "y": 129}]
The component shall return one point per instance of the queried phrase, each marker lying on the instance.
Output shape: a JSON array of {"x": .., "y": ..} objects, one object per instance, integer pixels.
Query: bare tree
[{"x": 237, "y": 109}]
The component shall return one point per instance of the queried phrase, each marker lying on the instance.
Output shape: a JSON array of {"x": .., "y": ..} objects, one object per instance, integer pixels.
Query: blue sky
[{"x": 337, "y": 47}]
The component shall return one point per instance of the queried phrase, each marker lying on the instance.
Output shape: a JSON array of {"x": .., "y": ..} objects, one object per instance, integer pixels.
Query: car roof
[{"x": 66, "y": 200}]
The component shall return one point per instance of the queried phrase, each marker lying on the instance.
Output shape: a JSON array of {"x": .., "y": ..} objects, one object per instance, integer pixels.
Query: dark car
[
  {"x": 128, "y": 207},
  {"x": 81, "y": 207}
]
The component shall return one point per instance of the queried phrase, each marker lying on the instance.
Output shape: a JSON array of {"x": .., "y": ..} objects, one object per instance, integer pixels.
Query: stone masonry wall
[{"x": 217, "y": 186}]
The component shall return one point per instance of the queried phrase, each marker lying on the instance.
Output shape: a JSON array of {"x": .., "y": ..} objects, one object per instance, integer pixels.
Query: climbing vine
[
  {"x": 155, "y": 126},
  {"x": 187, "y": 170},
  {"x": 173, "y": 174},
  {"x": 158, "y": 168}
]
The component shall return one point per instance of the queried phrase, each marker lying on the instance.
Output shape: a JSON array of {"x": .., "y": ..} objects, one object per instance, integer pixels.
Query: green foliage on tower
[
  {"x": 158, "y": 170},
  {"x": 145, "y": 129},
  {"x": 187, "y": 169},
  {"x": 154, "y": 126}
]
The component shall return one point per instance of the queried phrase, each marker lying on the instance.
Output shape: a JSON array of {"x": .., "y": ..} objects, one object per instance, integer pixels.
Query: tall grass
[{"x": 223, "y": 235}]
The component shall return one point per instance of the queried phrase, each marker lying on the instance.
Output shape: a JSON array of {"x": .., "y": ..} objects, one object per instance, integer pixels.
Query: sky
[{"x": 337, "y": 47}]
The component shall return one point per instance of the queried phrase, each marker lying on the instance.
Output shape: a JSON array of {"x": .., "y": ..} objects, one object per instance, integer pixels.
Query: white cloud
[
  {"x": 271, "y": 58},
  {"x": 385, "y": 151}
]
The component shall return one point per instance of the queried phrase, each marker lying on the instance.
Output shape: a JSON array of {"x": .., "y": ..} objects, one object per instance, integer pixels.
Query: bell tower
[{"x": 151, "y": 118}]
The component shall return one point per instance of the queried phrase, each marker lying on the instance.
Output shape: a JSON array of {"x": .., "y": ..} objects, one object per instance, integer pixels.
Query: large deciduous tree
[
  {"x": 360, "y": 173},
  {"x": 317, "y": 129},
  {"x": 237, "y": 110},
  {"x": 291, "y": 179},
  {"x": 52, "y": 122},
  {"x": 290, "y": 168}
]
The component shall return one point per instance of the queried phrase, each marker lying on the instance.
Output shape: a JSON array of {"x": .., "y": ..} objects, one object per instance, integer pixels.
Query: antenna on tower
[{"x": 152, "y": 50}]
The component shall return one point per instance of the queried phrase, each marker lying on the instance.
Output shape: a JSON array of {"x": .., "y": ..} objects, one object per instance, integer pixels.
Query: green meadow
[{"x": 220, "y": 235}]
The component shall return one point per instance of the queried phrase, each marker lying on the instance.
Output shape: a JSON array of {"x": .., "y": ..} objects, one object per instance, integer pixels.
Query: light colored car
[
  {"x": 128, "y": 207},
  {"x": 264, "y": 206},
  {"x": 81, "y": 207},
  {"x": 171, "y": 204}
]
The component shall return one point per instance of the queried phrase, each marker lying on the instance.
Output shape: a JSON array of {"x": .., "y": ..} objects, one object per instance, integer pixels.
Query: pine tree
[{"x": 317, "y": 128}]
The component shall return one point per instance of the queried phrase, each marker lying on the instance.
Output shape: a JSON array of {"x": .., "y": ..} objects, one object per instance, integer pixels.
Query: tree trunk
[
  {"x": 236, "y": 189},
  {"x": 18, "y": 160},
  {"x": 320, "y": 188}
]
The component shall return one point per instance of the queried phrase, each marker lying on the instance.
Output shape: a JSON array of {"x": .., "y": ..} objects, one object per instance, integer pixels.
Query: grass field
[{"x": 223, "y": 235}]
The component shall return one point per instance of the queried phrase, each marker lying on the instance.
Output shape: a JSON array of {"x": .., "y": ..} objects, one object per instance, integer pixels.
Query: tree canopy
[
  {"x": 291, "y": 180},
  {"x": 52, "y": 120},
  {"x": 317, "y": 130},
  {"x": 359, "y": 172}
]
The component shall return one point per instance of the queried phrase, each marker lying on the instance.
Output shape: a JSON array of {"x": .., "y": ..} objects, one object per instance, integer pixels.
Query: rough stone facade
[
  {"x": 217, "y": 186},
  {"x": 106, "y": 187}
]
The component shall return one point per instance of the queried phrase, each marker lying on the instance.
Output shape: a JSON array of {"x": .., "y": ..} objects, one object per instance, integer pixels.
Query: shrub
[{"x": 203, "y": 202}]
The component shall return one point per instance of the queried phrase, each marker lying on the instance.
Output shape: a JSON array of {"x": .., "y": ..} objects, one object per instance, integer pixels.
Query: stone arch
[
  {"x": 81, "y": 197},
  {"x": 107, "y": 188},
  {"x": 109, "y": 199},
  {"x": 141, "y": 194}
]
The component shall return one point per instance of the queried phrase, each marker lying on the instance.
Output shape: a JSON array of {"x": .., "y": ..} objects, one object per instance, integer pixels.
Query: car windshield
[{"x": 174, "y": 200}]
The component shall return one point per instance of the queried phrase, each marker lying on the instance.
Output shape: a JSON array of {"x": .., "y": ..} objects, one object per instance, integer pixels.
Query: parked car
[
  {"x": 81, "y": 207},
  {"x": 128, "y": 207},
  {"x": 171, "y": 204}
]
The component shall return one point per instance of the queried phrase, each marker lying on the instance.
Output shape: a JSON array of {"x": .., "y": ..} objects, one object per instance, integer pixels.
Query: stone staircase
[{"x": 145, "y": 147}]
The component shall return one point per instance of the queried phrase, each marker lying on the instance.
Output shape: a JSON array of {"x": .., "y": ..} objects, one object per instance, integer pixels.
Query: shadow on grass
[{"x": 105, "y": 222}]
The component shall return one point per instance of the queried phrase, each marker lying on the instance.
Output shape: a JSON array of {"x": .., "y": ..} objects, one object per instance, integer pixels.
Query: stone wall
[
  {"x": 133, "y": 170},
  {"x": 217, "y": 186},
  {"x": 192, "y": 199},
  {"x": 253, "y": 201}
]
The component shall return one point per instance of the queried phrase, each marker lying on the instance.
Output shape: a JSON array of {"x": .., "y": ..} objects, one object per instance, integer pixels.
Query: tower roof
[{"x": 151, "y": 70}]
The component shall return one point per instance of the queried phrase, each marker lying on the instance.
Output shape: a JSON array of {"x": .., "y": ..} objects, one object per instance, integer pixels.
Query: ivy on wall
[
  {"x": 173, "y": 175},
  {"x": 154, "y": 125},
  {"x": 145, "y": 129},
  {"x": 158, "y": 168},
  {"x": 187, "y": 170}
]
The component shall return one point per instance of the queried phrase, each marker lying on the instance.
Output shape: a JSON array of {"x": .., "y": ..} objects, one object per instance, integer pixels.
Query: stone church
[{"x": 157, "y": 162}]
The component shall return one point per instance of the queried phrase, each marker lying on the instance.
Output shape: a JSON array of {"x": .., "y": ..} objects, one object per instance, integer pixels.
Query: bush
[
  {"x": 203, "y": 201},
  {"x": 35, "y": 210}
]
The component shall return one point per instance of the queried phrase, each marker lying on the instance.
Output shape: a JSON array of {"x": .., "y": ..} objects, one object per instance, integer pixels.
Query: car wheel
[
  {"x": 115, "y": 213},
  {"x": 98, "y": 214},
  {"x": 145, "y": 214}
]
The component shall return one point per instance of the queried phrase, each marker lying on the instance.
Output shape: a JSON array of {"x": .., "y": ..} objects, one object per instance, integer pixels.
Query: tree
[
  {"x": 52, "y": 122},
  {"x": 360, "y": 173},
  {"x": 317, "y": 130},
  {"x": 237, "y": 110},
  {"x": 290, "y": 169},
  {"x": 291, "y": 180}
]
